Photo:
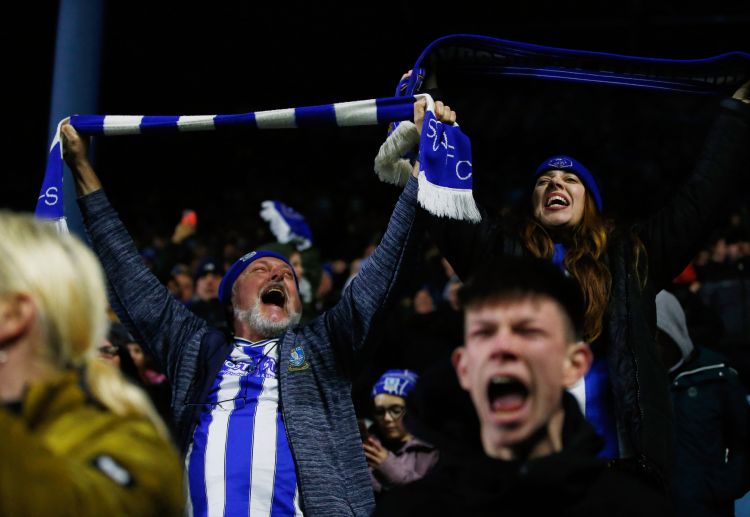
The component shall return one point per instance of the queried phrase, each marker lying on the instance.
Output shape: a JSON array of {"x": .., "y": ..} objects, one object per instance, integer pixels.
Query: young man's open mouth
[{"x": 507, "y": 396}]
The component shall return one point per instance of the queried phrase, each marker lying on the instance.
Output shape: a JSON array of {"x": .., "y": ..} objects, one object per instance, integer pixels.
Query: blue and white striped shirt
[{"x": 240, "y": 462}]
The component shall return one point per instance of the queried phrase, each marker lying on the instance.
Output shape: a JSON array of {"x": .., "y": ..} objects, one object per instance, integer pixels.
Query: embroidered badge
[
  {"x": 391, "y": 385},
  {"x": 297, "y": 360},
  {"x": 562, "y": 163}
]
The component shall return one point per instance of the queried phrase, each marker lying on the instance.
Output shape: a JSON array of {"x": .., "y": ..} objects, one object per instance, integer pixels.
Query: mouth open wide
[
  {"x": 273, "y": 295},
  {"x": 506, "y": 394},
  {"x": 556, "y": 201}
]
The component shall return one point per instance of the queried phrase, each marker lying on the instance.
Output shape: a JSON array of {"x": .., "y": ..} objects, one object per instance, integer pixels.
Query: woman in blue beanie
[
  {"x": 394, "y": 456},
  {"x": 619, "y": 271}
]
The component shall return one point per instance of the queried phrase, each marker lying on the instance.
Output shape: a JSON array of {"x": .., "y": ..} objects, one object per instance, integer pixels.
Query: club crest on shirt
[{"x": 297, "y": 359}]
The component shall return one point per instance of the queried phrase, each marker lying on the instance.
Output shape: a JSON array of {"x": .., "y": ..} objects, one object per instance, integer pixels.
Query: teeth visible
[
  {"x": 557, "y": 198},
  {"x": 501, "y": 379}
]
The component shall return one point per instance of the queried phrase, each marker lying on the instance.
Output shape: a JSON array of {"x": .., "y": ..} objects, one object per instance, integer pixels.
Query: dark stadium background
[{"x": 172, "y": 58}]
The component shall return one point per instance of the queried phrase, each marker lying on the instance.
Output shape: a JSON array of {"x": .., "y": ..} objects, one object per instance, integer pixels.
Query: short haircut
[{"x": 506, "y": 278}]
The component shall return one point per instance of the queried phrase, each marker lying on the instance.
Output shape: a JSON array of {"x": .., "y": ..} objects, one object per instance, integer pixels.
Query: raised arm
[
  {"x": 364, "y": 300},
  {"x": 143, "y": 304},
  {"x": 464, "y": 244},
  {"x": 675, "y": 233}
]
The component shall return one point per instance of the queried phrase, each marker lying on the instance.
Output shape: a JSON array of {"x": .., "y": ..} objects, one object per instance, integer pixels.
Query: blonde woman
[{"x": 75, "y": 437}]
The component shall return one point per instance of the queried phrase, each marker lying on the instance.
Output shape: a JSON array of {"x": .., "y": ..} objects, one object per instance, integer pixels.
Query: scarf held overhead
[
  {"x": 461, "y": 54},
  {"x": 472, "y": 55}
]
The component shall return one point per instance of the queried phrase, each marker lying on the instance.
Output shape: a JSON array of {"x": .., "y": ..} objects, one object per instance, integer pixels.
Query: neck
[
  {"x": 545, "y": 441},
  {"x": 561, "y": 235},
  {"x": 245, "y": 331},
  {"x": 396, "y": 444},
  {"x": 20, "y": 369}
]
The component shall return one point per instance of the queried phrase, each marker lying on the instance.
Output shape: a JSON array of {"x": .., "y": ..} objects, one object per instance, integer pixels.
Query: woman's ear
[
  {"x": 17, "y": 314},
  {"x": 578, "y": 359}
]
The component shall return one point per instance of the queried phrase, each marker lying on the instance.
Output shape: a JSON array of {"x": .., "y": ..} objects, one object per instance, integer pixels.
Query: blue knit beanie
[
  {"x": 225, "y": 288},
  {"x": 566, "y": 163},
  {"x": 395, "y": 382}
]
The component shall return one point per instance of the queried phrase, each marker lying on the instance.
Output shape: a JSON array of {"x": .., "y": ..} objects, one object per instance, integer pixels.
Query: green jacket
[{"x": 64, "y": 454}]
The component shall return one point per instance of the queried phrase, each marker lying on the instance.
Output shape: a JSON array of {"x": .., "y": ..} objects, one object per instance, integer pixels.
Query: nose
[
  {"x": 277, "y": 273},
  {"x": 504, "y": 347},
  {"x": 555, "y": 183}
]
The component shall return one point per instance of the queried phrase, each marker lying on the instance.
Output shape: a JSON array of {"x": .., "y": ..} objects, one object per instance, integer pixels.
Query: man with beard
[{"x": 264, "y": 418}]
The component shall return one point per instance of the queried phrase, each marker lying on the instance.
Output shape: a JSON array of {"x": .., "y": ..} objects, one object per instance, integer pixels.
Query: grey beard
[{"x": 264, "y": 326}]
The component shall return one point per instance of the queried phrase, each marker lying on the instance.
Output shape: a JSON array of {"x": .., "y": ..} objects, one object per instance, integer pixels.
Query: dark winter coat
[
  {"x": 671, "y": 238},
  {"x": 465, "y": 481},
  {"x": 711, "y": 436}
]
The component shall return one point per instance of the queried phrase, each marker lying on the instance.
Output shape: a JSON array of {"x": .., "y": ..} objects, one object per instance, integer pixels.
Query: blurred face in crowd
[
  {"x": 558, "y": 199},
  {"x": 389, "y": 416},
  {"x": 265, "y": 297},
  {"x": 295, "y": 259},
  {"x": 519, "y": 355},
  {"x": 207, "y": 286},
  {"x": 108, "y": 352},
  {"x": 181, "y": 285},
  {"x": 423, "y": 303},
  {"x": 136, "y": 353}
]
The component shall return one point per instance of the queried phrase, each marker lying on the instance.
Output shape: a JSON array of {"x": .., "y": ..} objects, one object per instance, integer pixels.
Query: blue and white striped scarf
[{"x": 461, "y": 54}]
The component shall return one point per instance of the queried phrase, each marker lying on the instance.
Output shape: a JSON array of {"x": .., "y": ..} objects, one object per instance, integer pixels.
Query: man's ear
[
  {"x": 578, "y": 359},
  {"x": 17, "y": 314},
  {"x": 458, "y": 358}
]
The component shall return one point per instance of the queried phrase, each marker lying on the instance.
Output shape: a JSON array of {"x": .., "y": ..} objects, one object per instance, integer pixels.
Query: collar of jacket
[{"x": 55, "y": 396}]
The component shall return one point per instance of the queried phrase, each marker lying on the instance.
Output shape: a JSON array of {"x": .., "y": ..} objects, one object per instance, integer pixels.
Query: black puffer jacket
[
  {"x": 711, "y": 436},
  {"x": 672, "y": 237},
  {"x": 573, "y": 482}
]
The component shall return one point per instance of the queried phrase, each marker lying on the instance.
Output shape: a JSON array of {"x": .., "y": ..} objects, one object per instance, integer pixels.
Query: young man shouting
[{"x": 532, "y": 450}]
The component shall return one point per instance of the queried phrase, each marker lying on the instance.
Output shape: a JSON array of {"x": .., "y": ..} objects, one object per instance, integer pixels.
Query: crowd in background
[
  {"x": 426, "y": 324},
  {"x": 192, "y": 255}
]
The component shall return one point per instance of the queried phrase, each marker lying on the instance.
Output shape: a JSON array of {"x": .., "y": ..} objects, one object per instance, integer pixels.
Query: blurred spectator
[
  {"x": 115, "y": 350},
  {"x": 394, "y": 455},
  {"x": 151, "y": 379},
  {"x": 532, "y": 452},
  {"x": 205, "y": 302},
  {"x": 711, "y": 419},
  {"x": 75, "y": 437},
  {"x": 180, "y": 283},
  {"x": 333, "y": 278},
  {"x": 725, "y": 285}
]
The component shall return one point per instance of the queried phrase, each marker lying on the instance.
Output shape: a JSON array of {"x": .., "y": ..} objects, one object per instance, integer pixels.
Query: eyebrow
[
  {"x": 530, "y": 320},
  {"x": 548, "y": 173},
  {"x": 264, "y": 262}
]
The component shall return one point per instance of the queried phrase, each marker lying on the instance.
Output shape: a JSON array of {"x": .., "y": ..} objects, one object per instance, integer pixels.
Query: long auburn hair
[{"x": 584, "y": 260}]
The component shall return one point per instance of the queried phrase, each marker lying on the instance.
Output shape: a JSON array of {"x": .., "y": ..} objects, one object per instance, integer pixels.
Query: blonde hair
[{"x": 66, "y": 282}]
